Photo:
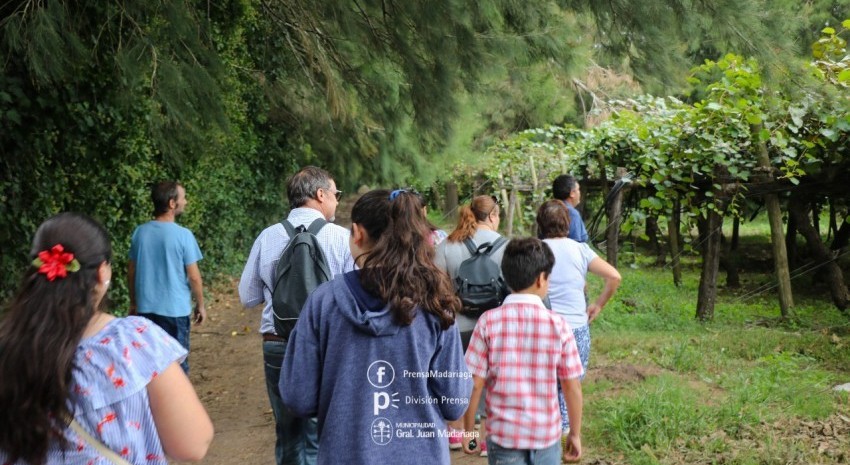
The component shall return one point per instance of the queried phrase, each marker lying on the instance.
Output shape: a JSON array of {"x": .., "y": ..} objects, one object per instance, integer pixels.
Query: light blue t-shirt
[
  {"x": 566, "y": 283},
  {"x": 162, "y": 250}
]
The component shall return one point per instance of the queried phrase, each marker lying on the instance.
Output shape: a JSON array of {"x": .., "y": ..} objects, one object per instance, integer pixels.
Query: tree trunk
[
  {"x": 615, "y": 218},
  {"x": 732, "y": 258},
  {"x": 652, "y": 231},
  {"x": 774, "y": 214},
  {"x": 710, "y": 263},
  {"x": 822, "y": 255},
  {"x": 791, "y": 242},
  {"x": 673, "y": 233},
  {"x": 450, "y": 209},
  {"x": 842, "y": 236},
  {"x": 816, "y": 216},
  {"x": 833, "y": 224}
]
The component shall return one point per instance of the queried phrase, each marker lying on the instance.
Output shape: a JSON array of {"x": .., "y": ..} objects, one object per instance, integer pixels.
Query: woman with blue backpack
[{"x": 472, "y": 256}]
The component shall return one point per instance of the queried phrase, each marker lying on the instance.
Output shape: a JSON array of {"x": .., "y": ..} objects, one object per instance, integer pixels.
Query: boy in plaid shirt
[{"x": 519, "y": 352}]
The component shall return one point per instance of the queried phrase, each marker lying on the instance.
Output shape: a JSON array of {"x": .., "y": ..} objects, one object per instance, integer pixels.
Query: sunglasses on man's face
[{"x": 337, "y": 193}]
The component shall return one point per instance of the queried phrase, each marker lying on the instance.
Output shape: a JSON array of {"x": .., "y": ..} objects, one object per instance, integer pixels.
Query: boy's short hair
[{"x": 524, "y": 259}]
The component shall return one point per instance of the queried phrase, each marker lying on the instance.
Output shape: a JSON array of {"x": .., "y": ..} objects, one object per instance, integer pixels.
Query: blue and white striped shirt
[{"x": 255, "y": 287}]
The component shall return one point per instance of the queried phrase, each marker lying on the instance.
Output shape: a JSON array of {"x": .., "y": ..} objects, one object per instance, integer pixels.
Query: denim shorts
[{"x": 497, "y": 454}]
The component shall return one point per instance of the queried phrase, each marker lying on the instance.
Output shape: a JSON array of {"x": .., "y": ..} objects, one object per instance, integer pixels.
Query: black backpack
[
  {"x": 300, "y": 270},
  {"x": 479, "y": 282}
]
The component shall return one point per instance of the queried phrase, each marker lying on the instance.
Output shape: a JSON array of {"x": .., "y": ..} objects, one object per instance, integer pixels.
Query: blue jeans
[
  {"x": 498, "y": 455},
  {"x": 176, "y": 327},
  {"x": 297, "y": 440},
  {"x": 582, "y": 336}
]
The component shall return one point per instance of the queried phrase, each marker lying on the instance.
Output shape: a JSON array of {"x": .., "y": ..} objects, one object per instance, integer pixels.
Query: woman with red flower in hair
[{"x": 80, "y": 386}]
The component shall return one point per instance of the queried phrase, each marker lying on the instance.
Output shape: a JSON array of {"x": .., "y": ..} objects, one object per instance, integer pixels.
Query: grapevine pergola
[{"x": 738, "y": 147}]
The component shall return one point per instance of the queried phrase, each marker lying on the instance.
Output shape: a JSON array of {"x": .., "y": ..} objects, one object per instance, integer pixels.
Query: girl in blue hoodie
[{"x": 376, "y": 355}]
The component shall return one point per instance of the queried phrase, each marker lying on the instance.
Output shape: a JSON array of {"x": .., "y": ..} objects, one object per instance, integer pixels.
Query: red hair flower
[{"x": 56, "y": 263}]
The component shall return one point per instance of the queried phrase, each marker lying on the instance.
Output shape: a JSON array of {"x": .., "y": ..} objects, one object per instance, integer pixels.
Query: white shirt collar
[{"x": 523, "y": 299}]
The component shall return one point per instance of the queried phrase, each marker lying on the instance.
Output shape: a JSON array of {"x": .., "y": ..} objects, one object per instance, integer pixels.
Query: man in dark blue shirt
[{"x": 566, "y": 189}]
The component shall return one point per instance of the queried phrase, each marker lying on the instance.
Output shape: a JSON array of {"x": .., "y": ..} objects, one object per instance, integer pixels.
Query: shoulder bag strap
[
  {"x": 110, "y": 454},
  {"x": 316, "y": 226},
  {"x": 290, "y": 230},
  {"x": 498, "y": 243},
  {"x": 470, "y": 245}
]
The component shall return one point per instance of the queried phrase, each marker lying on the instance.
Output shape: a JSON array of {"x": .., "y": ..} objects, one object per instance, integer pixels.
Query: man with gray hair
[{"x": 312, "y": 195}]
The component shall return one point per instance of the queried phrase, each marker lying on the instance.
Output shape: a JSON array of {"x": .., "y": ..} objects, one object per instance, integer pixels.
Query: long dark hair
[
  {"x": 400, "y": 267},
  {"x": 469, "y": 216},
  {"x": 39, "y": 335}
]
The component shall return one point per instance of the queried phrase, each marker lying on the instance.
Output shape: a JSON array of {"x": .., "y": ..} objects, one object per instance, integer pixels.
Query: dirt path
[{"x": 227, "y": 372}]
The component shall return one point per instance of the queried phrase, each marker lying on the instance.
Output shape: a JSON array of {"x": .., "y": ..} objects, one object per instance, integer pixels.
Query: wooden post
[
  {"x": 673, "y": 232},
  {"x": 780, "y": 253},
  {"x": 509, "y": 229},
  {"x": 535, "y": 195},
  {"x": 450, "y": 208},
  {"x": 603, "y": 175},
  {"x": 615, "y": 219},
  {"x": 509, "y": 217},
  {"x": 533, "y": 174},
  {"x": 503, "y": 191},
  {"x": 732, "y": 259}
]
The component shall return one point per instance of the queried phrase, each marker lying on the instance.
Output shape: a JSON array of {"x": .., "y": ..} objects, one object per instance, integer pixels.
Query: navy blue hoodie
[{"x": 382, "y": 392}]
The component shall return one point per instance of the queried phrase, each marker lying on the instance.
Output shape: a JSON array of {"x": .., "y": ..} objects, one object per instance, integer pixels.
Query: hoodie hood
[{"x": 366, "y": 312}]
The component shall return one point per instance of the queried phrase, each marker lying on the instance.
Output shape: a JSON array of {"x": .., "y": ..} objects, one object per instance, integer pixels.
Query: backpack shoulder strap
[
  {"x": 290, "y": 230},
  {"x": 470, "y": 246},
  {"x": 316, "y": 226},
  {"x": 502, "y": 240}
]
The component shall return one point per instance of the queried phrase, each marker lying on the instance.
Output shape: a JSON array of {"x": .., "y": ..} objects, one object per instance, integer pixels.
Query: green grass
[{"x": 726, "y": 391}]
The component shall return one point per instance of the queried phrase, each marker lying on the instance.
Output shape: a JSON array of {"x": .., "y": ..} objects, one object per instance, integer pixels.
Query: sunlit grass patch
[
  {"x": 651, "y": 417},
  {"x": 733, "y": 390},
  {"x": 778, "y": 385}
]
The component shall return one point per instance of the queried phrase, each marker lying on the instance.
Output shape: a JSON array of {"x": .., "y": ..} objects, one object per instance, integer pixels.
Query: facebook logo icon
[{"x": 381, "y": 374}]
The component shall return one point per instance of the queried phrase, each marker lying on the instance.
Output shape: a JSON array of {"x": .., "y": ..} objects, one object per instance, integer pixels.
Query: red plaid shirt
[{"x": 522, "y": 349}]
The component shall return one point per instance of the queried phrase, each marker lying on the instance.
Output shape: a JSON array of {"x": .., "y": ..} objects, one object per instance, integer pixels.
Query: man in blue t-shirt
[
  {"x": 566, "y": 189},
  {"x": 163, "y": 271}
]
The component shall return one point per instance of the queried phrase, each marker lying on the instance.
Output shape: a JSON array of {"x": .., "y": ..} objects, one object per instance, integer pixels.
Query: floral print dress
[{"x": 109, "y": 393}]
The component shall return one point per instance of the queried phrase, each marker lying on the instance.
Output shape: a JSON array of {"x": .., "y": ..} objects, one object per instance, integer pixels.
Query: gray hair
[{"x": 304, "y": 185}]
